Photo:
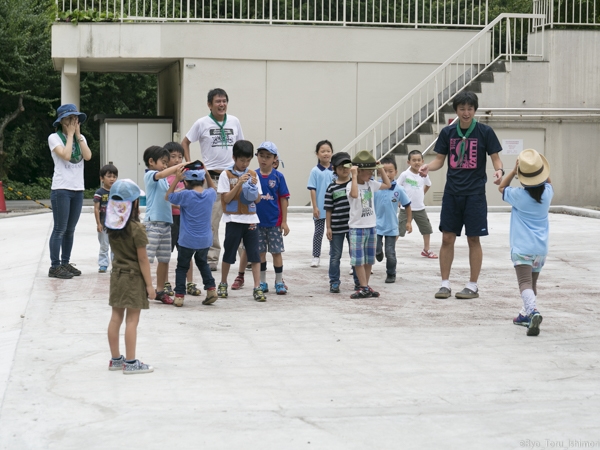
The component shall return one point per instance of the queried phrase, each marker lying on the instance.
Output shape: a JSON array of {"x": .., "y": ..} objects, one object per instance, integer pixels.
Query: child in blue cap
[{"x": 195, "y": 233}]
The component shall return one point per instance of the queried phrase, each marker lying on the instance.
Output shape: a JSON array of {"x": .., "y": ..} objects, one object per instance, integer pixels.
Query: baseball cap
[{"x": 269, "y": 146}]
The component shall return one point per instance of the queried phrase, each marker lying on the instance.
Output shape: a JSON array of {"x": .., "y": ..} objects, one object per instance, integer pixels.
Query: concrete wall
[{"x": 294, "y": 85}]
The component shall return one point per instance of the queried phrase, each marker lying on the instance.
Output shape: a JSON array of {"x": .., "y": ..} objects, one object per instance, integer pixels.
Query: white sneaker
[
  {"x": 351, "y": 271},
  {"x": 315, "y": 262}
]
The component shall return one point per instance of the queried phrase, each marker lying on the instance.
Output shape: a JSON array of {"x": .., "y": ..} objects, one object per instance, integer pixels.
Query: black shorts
[
  {"x": 236, "y": 233},
  {"x": 467, "y": 210}
]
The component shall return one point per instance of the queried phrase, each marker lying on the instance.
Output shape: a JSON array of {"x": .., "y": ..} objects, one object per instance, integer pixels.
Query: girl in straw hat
[{"x": 529, "y": 229}]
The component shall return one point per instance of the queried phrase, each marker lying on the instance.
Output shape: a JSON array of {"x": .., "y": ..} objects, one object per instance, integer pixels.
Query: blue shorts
[
  {"x": 159, "y": 241},
  {"x": 234, "y": 234},
  {"x": 270, "y": 239},
  {"x": 467, "y": 210},
  {"x": 362, "y": 246}
]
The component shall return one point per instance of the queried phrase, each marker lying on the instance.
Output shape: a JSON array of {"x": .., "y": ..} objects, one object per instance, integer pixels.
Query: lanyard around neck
[
  {"x": 221, "y": 127},
  {"x": 464, "y": 137}
]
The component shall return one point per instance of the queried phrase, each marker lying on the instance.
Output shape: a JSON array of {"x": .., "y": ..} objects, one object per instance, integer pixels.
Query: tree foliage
[{"x": 27, "y": 72}]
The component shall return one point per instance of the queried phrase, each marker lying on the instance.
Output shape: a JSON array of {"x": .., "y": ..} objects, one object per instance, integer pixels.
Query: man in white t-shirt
[{"x": 216, "y": 134}]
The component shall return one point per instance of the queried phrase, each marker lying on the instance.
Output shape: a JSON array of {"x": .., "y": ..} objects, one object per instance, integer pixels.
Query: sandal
[{"x": 429, "y": 254}]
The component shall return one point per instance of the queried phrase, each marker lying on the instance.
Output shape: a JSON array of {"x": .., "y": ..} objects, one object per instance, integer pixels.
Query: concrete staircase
[{"x": 425, "y": 127}]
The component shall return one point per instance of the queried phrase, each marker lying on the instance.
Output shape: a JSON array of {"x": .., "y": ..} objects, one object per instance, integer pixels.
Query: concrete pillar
[{"x": 69, "y": 83}]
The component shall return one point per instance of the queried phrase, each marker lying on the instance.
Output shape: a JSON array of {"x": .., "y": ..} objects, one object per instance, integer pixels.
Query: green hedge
[{"x": 37, "y": 191}]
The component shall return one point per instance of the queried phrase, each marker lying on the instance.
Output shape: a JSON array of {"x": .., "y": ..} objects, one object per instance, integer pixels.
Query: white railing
[
  {"x": 506, "y": 37},
  {"x": 569, "y": 12},
  {"x": 411, "y": 13}
]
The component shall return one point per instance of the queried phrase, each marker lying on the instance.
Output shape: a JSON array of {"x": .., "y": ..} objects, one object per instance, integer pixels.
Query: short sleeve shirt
[
  {"x": 125, "y": 248},
  {"x": 196, "y": 208},
  {"x": 67, "y": 174},
  {"x": 362, "y": 209},
  {"x": 273, "y": 187},
  {"x": 414, "y": 185},
  {"x": 157, "y": 208},
  {"x": 320, "y": 177},
  {"x": 180, "y": 187},
  {"x": 101, "y": 196},
  {"x": 336, "y": 201},
  {"x": 386, "y": 208},
  {"x": 223, "y": 188},
  {"x": 529, "y": 224},
  {"x": 216, "y": 154},
  {"x": 467, "y": 176}
]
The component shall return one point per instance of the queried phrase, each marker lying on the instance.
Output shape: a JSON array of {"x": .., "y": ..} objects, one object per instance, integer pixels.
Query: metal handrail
[
  {"x": 412, "y": 13},
  {"x": 568, "y": 12},
  {"x": 426, "y": 99}
]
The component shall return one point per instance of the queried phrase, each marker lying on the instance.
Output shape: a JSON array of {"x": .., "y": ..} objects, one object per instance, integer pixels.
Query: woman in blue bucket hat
[{"x": 69, "y": 149}]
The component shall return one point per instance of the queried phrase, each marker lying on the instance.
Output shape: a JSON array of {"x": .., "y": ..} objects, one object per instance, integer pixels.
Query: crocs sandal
[
  {"x": 467, "y": 293},
  {"x": 444, "y": 292}
]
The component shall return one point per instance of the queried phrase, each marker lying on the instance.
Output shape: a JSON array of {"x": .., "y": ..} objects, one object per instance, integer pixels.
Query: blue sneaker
[
  {"x": 521, "y": 320},
  {"x": 334, "y": 288},
  {"x": 280, "y": 289},
  {"x": 102, "y": 269},
  {"x": 535, "y": 319},
  {"x": 263, "y": 287}
]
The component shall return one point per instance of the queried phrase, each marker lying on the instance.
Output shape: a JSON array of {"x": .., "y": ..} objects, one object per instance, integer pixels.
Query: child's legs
[
  {"x": 104, "y": 249},
  {"x": 362, "y": 252},
  {"x": 116, "y": 319},
  {"x": 336, "y": 246},
  {"x": 360, "y": 271},
  {"x": 277, "y": 259},
  {"x": 274, "y": 242},
  {"x": 131, "y": 323},
  {"x": 215, "y": 220},
  {"x": 318, "y": 237},
  {"x": 243, "y": 260},
  {"x": 184, "y": 256},
  {"x": 422, "y": 220},
  {"x": 162, "y": 270},
  {"x": 159, "y": 245},
  {"x": 390, "y": 255},
  {"x": 233, "y": 236},
  {"x": 369, "y": 240},
  {"x": 379, "y": 245},
  {"x": 201, "y": 258},
  {"x": 250, "y": 239},
  {"x": 190, "y": 274}
]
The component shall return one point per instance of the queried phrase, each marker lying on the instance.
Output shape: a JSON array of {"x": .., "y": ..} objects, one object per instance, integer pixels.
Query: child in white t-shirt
[
  {"x": 416, "y": 187},
  {"x": 363, "y": 222}
]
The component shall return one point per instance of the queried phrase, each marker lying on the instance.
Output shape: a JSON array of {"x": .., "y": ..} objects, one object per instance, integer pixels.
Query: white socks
[
  {"x": 472, "y": 286},
  {"x": 446, "y": 284},
  {"x": 528, "y": 302}
]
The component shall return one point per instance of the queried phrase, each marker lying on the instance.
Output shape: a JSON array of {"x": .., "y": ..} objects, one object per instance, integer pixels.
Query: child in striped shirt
[{"x": 337, "y": 211}]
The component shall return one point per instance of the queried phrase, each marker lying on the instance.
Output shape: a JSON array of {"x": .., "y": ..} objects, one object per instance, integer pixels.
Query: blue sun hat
[
  {"x": 197, "y": 175},
  {"x": 120, "y": 199},
  {"x": 249, "y": 192},
  {"x": 68, "y": 109}
]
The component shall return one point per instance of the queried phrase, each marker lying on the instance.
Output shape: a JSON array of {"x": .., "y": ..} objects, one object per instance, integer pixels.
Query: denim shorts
[
  {"x": 270, "y": 239},
  {"x": 159, "y": 241},
  {"x": 535, "y": 261},
  {"x": 467, "y": 210},
  {"x": 362, "y": 246}
]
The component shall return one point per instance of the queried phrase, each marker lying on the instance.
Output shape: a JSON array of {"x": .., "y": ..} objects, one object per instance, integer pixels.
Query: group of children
[{"x": 346, "y": 198}]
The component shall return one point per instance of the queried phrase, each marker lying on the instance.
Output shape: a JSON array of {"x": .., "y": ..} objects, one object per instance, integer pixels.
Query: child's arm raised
[
  {"x": 354, "y": 185},
  {"x": 177, "y": 179},
  {"x": 145, "y": 269},
  {"x": 508, "y": 178},
  {"x": 386, "y": 183},
  {"x": 168, "y": 171}
]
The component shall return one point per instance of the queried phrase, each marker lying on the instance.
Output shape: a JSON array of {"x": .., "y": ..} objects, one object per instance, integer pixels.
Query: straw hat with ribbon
[{"x": 533, "y": 169}]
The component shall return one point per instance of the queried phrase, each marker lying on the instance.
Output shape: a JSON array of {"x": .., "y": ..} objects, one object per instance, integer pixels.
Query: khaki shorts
[{"x": 420, "y": 217}]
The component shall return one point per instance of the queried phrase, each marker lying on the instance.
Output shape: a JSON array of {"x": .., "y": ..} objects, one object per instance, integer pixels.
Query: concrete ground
[{"x": 310, "y": 370}]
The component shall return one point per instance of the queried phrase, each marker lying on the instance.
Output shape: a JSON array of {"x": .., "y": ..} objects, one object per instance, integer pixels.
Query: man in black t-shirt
[{"x": 466, "y": 144}]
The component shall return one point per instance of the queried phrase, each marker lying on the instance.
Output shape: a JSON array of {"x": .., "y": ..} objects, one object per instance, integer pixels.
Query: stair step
[
  {"x": 486, "y": 77},
  {"x": 498, "y": 66}
]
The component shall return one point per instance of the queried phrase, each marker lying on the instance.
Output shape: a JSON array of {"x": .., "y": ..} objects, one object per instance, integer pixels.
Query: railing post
[
  {"x": 551, "y": 6},
  {"x": 508, "y": 44},
  {"x": 344, "y": 24},
  {"x": 417, "y": 13},
  {"x": 486, "y": 12},
  {"x": 270, "y": 12},
  {"x": 188, "y": 11},
  {"x": 121, "y": 11}
]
